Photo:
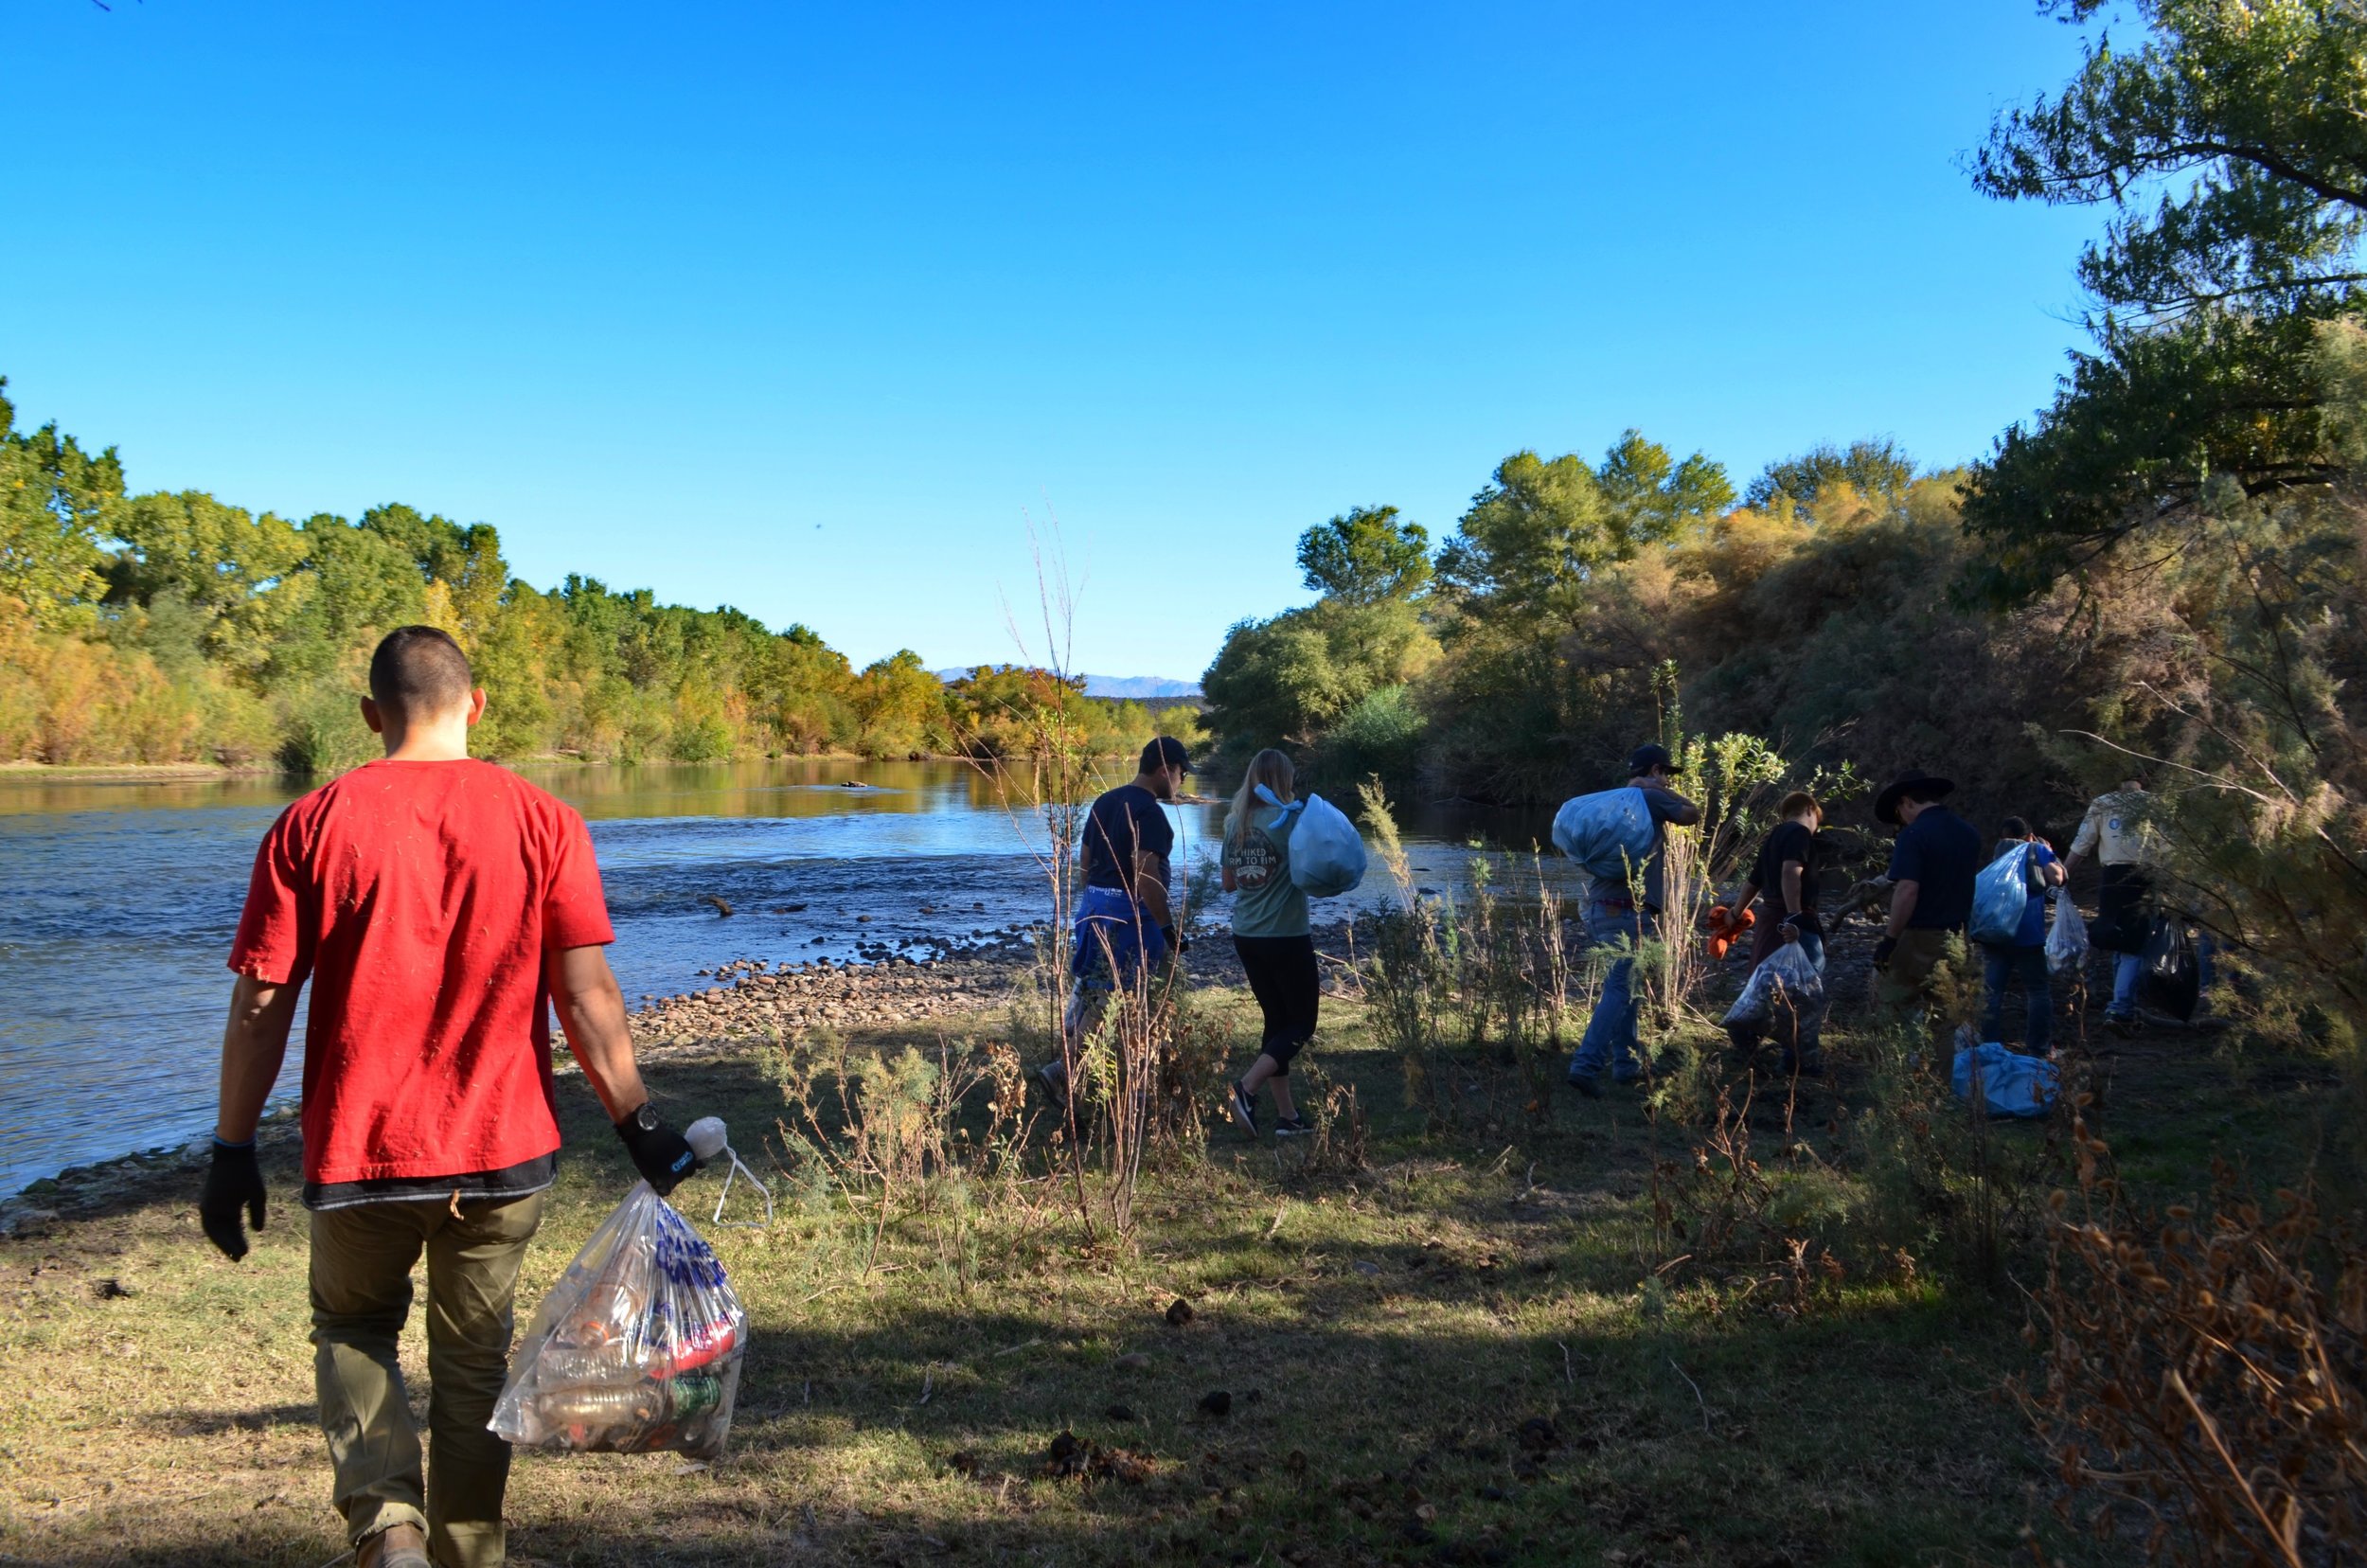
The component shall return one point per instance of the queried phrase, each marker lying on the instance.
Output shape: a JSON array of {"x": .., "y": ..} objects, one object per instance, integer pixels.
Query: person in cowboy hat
[{"x": 1932, "y": 865}]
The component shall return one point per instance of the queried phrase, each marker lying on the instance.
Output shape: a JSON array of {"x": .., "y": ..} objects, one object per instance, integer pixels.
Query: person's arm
[
  {"x": 1668, "y": 806},
  {"x": 253, "y": 1043},
  {"x": 254, "y": 1046},
  {"x": 1150, "y": 888},
  {"x": 1903, "y": 895},
  {"x": 592, "y": 1011},
  {"x": 1231, "y": 884},
  {"x": 2083, "y": 841}
]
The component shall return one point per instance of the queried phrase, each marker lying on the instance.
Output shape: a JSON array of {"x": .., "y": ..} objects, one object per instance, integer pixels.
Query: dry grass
[{"x": 1455, "y": 1354}]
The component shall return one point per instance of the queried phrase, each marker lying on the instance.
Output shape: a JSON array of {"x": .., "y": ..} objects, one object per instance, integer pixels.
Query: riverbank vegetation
[
  {"x": 1457, "y": 1326},
  {"x": 170, "y": 628}
]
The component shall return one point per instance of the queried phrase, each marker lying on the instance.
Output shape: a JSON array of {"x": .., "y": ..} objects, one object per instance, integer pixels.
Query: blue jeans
[
  {"x": 2131, "y": 966},
  {"x": 2126, "y": 970},
  {"x": 1110, "y": 925},
  {"x": 2005, "y": 964},
  {"x": 1611, "y": 1031}
]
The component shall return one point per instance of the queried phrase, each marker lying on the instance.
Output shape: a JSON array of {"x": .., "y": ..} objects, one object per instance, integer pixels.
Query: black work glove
[
  {"x": 662, "y": 1155},
  {"x": 1176, "y": 941},
  {"x": 233, "y": 1182},
  {"x": 1882, "y": 951}
]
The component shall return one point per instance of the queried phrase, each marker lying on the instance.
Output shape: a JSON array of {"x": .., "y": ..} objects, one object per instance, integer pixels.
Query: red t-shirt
[{"x": 420, "y": 897}]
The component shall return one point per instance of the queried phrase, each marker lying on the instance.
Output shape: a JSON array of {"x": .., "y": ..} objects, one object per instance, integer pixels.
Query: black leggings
[{"x": 1281, "y": 973}]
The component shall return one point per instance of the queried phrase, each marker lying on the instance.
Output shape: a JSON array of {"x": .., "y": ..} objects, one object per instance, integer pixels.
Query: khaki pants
[
  {"x": 362, "y": 1260},
  {"x": 1904, "y": 985}
]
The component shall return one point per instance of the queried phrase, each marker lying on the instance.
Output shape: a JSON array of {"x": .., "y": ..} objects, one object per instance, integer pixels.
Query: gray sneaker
[{"x": 1293, "y": 1127}]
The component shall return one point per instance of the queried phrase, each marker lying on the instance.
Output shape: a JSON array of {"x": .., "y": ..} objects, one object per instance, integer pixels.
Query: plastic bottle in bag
[
  {"x": 638, "y": 1348},
  {"x": 2066, "y": 937}
]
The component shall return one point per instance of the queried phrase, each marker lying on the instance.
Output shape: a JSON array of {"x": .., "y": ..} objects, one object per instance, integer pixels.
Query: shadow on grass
[{"x": 1494, "y": 1395}]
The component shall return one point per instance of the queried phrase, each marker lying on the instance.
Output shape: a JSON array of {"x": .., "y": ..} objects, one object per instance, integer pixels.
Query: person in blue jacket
[{"x": 2024, "y": 957}]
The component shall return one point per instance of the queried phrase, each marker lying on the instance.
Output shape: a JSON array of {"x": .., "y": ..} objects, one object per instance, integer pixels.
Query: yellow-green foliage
[{"x": 171, "y": 628}]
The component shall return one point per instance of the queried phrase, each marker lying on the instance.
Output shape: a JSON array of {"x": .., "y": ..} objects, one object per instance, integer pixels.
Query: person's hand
[
  {"x": 1801, "y": 924},
  {"x": 1882, "y": 951},
  {"x": 233, "y": 1182},
  {"x": 662, "y": 1155},
  {"x": 1176, "y": 941}
]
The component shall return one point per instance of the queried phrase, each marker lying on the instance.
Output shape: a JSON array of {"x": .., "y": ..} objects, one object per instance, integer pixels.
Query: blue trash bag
[
  {"x": 2000, "y": 896},
  {"x": 1606, "y": 833},
  {"x": 2010, "y": 1084},
  {"x": 1327, "y": 852}
]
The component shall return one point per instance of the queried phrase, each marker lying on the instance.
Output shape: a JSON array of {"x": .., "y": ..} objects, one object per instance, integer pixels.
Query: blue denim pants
[
  {"x": 1609, "y": 1037},
  {"x": 2003, "y": 966}
]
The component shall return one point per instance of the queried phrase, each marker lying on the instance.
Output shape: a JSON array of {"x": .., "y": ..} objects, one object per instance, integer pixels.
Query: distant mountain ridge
[{"x": 1124, "y": 688}]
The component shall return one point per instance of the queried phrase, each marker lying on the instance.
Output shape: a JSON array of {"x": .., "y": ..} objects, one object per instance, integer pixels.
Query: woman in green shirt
[{"x": 1271, "y": 935}]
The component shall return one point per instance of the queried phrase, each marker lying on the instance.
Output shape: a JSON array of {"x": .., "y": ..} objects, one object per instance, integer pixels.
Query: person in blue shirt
[
  {"x": 2024, "y": 957},
  {"x": 1932, "y": 865},
  {"x": 1124, "y": 926},
  {"x": 1617, "y": 922}
]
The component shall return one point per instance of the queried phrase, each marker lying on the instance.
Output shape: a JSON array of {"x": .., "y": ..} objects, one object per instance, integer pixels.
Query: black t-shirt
[
  {"x": 1790, "y": 841},
  {"x": 1122, "y": 821},
  {"x": 1941, "y": 853}
]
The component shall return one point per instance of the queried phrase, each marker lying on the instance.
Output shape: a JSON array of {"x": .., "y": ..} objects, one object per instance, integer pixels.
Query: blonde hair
[{"x": 1274, "y": 770}]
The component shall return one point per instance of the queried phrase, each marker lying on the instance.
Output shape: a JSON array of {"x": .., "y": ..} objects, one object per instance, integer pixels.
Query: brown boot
[{"x": 396, "y": 1546}]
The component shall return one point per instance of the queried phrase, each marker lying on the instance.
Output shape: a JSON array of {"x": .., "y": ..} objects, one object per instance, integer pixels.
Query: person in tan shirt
[{"x": 2116, "y": 831}]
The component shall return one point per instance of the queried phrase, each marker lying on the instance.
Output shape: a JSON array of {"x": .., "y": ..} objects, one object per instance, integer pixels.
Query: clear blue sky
[{"x": 808, "y": 309}]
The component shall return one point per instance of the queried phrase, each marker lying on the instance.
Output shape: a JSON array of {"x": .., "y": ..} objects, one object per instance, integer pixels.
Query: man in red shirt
[{"x": 438, "y": 904}]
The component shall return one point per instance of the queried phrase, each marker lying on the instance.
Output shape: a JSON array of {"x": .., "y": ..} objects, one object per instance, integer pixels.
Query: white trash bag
[
  {"x": 1787, "y": 986},
  {"x": 1327, "y": 851},
  {"x": 1607, "y": 834},
  {"x": 2066, "y": 939},
  {"x": 636, "y": 1350},
  {"x": 2001, "y": 896}
]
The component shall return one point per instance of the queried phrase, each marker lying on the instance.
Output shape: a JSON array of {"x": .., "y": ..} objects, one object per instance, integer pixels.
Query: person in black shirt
[
  {"x": 1932, "y": 867},
  {"x": 1784, "y": 880},
  {"x": 1125, "y": 927}
]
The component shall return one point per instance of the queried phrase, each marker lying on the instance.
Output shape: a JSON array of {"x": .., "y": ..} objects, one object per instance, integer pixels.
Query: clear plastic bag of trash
[
  {"x": 638, "y": 1348},
  {"x": 2066, "y": 939},
  {"x": 1787, "y": 985}
]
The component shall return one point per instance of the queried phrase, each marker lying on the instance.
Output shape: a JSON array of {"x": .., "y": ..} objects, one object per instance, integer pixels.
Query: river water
[{"x": 117, "y": 901}]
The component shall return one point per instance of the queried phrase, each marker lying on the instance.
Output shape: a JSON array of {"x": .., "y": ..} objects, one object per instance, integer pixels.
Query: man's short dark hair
[
  {"x": 2016, "y": 828},
  {"x": 1796, "y": 802},
  {"x": 1167, "y": 751},
  {"x": 418, "y": 670}
]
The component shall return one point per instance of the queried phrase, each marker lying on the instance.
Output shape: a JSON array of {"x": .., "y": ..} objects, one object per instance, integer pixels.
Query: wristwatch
[{"x": 643, "y": 1120}]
